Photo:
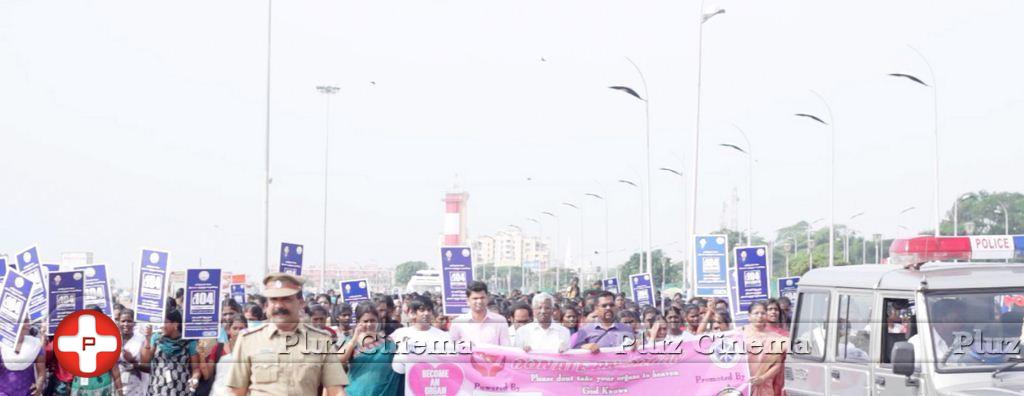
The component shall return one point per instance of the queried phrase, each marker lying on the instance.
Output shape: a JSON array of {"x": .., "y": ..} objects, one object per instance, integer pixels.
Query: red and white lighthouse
[{"x": 455, "y": 218}]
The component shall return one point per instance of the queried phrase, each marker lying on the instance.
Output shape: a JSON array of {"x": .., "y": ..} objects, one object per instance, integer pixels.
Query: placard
[
  {"x": 28, "y": 265},
  {"x": 291, "y": 259},
  {"x": 643, "y": 289},
  {"x": 150, "y": 294},
  {"x": 97, "y": 287},
  {"x": 65, "y": 296},
  {"x": 354, "y": 292},
  {"x": 202, "y": 304},
  {"x": 751, "y": 275},
  {"x": 456, "y": 275},
  {"x": 238, "y": 293},
  {"x": 14, "y": 298},
  {"x": 788, "y": 287},
  {"x": 611, "y": 285},
  {"x": 711, "y": 260}
]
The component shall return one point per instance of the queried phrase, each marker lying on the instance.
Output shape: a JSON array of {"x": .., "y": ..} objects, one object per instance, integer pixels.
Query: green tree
[
  {"x": 981, "y": 213},
  {"x": 405, "y": 271},
  {"x": 673, "y": 271}
]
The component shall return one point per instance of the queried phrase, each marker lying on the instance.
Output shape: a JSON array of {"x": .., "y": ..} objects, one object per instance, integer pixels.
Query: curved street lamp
[{"x": 832, "y": 174}]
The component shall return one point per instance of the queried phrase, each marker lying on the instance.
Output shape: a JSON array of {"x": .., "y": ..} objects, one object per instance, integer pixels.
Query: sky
[{"x": 128, "y": 124}]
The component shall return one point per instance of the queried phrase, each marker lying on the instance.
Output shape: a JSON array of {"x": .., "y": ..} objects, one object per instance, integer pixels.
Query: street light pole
[
  {"x": 846, "y": 242},
  {"x": 956, "y": 212},
  {"x": 266, "y": 160},
  {"x": 558, "y": 243},
  {"x": 687, "y": 240},
  {"x": 643, "y": 265},
  {"x": 582, "y": 255},
  {"x": 647, "y": 145},
  {"x": 935, "y": 124},
  {"x": 810, "y": 253},
  {"x": 540, "y": 237},
  {"x": 905, "y": 210},
  {"x": 704, "y": 17},
  {"x": 749, "y": 152},
  {"x": 607, "y": 263},
  {"x": 328, "y": 91},
  {"x": 832, "y": 175}
]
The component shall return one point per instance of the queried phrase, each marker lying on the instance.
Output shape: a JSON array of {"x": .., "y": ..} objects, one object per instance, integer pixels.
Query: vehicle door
[
  {"x": 805, "y": 368},
  {"x": 895, "y": 314},
  {"x": 850, "y": 370}
]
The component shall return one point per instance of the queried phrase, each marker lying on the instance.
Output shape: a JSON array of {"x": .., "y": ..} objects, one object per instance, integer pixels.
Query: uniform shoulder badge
[
  {"x": 253, "y": 330},
  {"x": 316, "y": 330}
]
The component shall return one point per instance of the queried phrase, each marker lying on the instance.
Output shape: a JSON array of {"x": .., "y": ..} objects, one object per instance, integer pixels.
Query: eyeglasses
[{"x": 609, "y": 305}]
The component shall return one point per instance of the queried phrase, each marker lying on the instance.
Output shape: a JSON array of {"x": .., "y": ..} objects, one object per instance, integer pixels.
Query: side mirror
[{"x": 903, "y": 358}]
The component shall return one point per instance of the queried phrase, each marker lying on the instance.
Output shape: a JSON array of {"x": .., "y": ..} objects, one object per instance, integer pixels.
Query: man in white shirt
[
  {"x": 522, "y": 315},
  {"x": 543, "y": 335},
  {"x": 946, "y": 320},
  {"x": 420, "y": 342},
  {"x": 480, "y": 326}
]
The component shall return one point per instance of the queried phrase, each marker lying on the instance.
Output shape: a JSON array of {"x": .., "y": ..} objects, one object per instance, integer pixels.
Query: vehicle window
[
  {"x": 853, "y": 331},
  {"x": 974, "y": 330},
  {"x": 899, "y": 324},
  {"x": 809, "y": 331}
]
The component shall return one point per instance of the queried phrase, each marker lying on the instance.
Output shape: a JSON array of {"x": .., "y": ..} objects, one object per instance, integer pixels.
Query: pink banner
[{"x": 706, "y": 366}]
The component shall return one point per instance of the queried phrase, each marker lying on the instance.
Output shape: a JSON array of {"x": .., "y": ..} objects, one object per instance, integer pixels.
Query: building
[
  {"x": 381, "y": 279},
  {"x": 510, "y": 248}
]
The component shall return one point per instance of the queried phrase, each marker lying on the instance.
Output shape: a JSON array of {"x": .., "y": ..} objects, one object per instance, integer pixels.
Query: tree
[
  {"x": 981, "y": 213},
  {"x": 405, "y": 271},
  {"x": 673, "y": 272}
]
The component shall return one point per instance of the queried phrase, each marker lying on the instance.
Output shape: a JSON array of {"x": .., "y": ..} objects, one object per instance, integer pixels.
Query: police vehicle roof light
[{"x": 919, "y": 250}]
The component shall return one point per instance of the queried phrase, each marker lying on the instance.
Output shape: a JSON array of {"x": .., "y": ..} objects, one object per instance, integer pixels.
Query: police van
[{"x": 943, "y": 317}]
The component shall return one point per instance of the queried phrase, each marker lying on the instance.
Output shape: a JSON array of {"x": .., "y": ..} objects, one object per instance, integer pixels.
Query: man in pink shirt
[{"x": 480, "y": 326}]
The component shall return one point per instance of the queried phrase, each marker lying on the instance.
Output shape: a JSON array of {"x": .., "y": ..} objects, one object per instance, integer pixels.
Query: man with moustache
[
  {"x": 605, "y": 333},
  {"x": 285, "y": 357}
]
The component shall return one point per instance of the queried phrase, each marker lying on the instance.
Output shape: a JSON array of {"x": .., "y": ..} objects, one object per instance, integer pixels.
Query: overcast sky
[{"x": 128, "y": 124}]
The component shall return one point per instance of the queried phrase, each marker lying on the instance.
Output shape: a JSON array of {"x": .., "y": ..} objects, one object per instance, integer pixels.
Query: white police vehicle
[{"x": 944, "y": 317}]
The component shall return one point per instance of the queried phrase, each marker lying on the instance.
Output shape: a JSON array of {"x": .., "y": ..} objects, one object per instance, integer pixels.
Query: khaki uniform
[{"x": 267, "y": 365}]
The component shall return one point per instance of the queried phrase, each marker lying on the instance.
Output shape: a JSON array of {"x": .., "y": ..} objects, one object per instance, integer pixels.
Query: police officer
[{"x": 285, "y": 357}]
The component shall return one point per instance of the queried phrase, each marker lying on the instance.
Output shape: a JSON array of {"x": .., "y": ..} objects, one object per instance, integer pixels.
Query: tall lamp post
[
  {"x": 540, "y": 237},
  {"x": 810, "y": 245},
  {"x": 749, "y": 152},
  {"x": 846, "y": 241},
  {"x": 558, "y": 237},
  {"x": 686, "y": 238},
  {"x": 704, "y": 17},
  {"x": 901, "y": 212},
  {"x": 582, "y": 254},
  {"x": 266, "y": 177},
  {"x": 935, "y": 124},
  {"x": 832, "y": 174},
  {"x": 956, "y": 211},
  {"x": 327, "y": 91},
  {"x": 643, "y": 263},
  {"x": 1006, "y": 217},
  {"x": 607, "y": 263},
  {"x": 647, "y": 144}
]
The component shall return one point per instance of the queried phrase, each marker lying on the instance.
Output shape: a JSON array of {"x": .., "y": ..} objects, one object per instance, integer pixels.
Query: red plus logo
[{"x": 87, "y": 343}]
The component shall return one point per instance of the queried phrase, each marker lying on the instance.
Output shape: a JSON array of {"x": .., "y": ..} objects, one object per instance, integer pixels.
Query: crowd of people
[{"x": 369, "y": 341}]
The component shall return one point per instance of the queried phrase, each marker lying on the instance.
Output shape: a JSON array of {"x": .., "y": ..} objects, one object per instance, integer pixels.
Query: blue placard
[
  {"x": 456, "y": 274},
  {"x": 202, "y": 304},
  {"x": 355, "y": 291},
  {"x": 51, "y": 267},
  {"x": 291, "y": 259},
  {"x": 610, "y": 284},
  {"x": 739, "y": 317},
  {"x": 238, "y": 293},
  {"x": 1018, "y": 246},
  {"x": 28, "y": 265},
  {"x": 149, "y": 295},
  {"x": 643, "y": 291},
  {"x": 13, "y": 304},
  {"x": 751, "y": 275},
  {"x": 97, "y": 288},
  {"x": 65, "y": 296},
  {"x": 787, "y": 287},
  {"x": 3, "y": 267},
  {"x": 712, "y": 259}
]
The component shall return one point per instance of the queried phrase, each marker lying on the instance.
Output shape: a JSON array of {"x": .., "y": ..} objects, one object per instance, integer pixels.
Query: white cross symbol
[{"x": 87, "y": 344}]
